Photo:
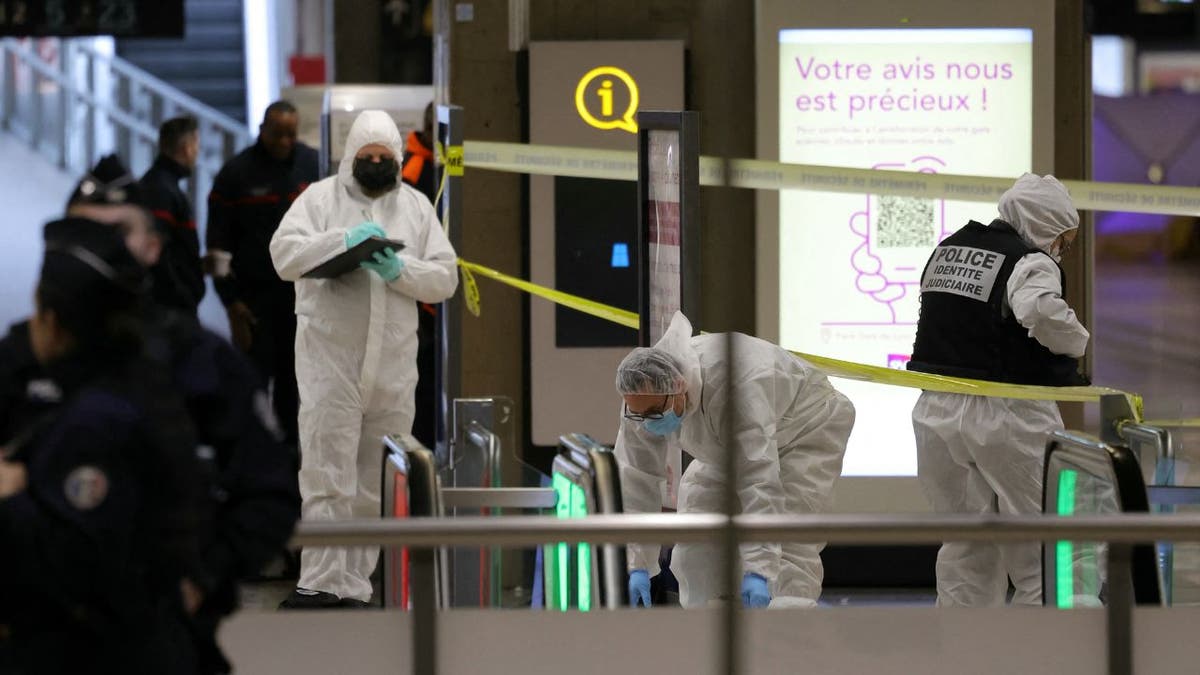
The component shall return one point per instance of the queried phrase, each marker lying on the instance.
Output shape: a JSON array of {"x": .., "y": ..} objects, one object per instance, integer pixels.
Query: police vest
[{"x": 966, "y": 328}]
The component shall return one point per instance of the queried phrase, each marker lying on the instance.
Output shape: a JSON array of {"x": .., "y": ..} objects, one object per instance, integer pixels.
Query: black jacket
[
  {"x": 251, "y": 476},
  {"x": 179, "y": 274},
  {"x": 249, "y": 197},
  {"x": 966, "y": 328},
  {"x": 248, "y": 477},
  {"x": 25, "y": 393},
  {"x": 96, "y": 545}
]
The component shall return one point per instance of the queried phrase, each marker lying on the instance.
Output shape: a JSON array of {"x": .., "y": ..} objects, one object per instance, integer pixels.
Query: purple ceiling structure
[{"x": 1135, "y": 136}]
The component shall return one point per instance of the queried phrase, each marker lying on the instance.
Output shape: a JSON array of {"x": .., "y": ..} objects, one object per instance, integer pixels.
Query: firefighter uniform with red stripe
[
  {"x": 179, "y": 275},
  {"x": 249, "y": 197}
]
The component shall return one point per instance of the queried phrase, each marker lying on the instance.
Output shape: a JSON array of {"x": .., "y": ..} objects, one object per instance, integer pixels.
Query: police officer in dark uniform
[
  {"x": 179, "y": 274},
  {"x": 250, "y": 475},
  {"x": 249, "y": 197},
  {"x": 18, "y": 368},
  {"x": 98, "y": 498}
]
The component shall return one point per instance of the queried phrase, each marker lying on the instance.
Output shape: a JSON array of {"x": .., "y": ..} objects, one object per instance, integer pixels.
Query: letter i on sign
[{"x": 606, "y": 94}]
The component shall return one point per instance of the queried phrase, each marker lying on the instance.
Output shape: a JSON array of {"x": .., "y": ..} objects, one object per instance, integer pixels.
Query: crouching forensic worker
[{"x": 789, "y": 427}]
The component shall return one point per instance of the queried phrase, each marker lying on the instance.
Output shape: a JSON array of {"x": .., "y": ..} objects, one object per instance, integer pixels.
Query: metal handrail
[
  {"x": 179, "y": 99},
  {"x": 46, "y": 71},
  {"x": 1156, "y": 436},
  {"x": 98, "y": 103},
  {"x": 840, "y": 529}
]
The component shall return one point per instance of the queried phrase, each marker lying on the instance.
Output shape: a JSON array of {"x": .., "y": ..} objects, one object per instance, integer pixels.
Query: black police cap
[
  {"x": 87, "y": 259},
  {"x": 108, "y": 183}
]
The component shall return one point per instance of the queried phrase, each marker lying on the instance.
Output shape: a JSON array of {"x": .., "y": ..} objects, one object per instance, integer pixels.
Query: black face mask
[{"x": 376, "y": 176}]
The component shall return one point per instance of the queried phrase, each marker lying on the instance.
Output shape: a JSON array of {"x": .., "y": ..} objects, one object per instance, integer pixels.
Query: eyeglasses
[
  {"x": 648, "y": 415},
  {"x": 1064, "y": 245}
]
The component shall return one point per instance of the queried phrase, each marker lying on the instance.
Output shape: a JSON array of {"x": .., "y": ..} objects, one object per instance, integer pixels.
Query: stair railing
[{"x": 74, "y": 104}]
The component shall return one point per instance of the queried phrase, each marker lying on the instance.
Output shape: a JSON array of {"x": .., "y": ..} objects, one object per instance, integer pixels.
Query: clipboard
[{"x": 349, "y": 260}]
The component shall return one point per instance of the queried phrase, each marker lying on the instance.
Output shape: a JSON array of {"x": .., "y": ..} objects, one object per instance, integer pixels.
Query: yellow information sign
[{"x": 595, "y": 94}]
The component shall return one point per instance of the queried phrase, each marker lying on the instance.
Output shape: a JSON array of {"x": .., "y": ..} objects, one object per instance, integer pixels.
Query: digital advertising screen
[{"x": 921, "y": 100}]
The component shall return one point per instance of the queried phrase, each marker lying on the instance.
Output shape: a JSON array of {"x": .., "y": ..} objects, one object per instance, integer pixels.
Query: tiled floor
[{"x": 32, "y": 191}]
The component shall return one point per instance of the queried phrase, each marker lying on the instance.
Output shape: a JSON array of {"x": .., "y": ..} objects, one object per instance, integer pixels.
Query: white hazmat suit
[
  {"x": 985, "y": 455},
  {"x": 789, "y": 427},
  {"x": 356, "y": 345}
]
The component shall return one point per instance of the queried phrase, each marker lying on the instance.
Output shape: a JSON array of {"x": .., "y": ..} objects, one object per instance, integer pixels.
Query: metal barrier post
[
  {"x": 66, "y": 101},
  {"x": 10, "y": 84},
  {"x": 1159, "y": 439},
  {"x": 450, "y": 123},
  {"x": 476, "y": 423},
  {"x": 89, "y": 129},
  {"x": 1119, "y": 612},
  {"x": 423, "y": 575},
  {"x": 423, "y": 561},
  {"x": 124, "y": 136},
  {"x": 35, "y": 97}
]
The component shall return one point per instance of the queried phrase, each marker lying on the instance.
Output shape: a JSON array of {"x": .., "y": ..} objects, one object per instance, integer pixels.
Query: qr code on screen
[{"x": 904, "y": 222}]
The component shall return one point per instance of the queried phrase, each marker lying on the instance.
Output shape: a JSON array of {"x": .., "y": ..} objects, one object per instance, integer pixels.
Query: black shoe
[
  {"x": 302, "y": 598},
  {"x": 351, "y": 603}
]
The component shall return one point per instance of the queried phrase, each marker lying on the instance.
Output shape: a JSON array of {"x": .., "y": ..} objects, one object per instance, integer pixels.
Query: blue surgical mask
[{"x": 666, "y": 425}]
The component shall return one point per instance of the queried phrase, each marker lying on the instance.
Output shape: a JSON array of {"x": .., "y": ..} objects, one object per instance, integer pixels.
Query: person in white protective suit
[
  {"x": 992, "y": 308},
  {"x": 788, "y": 426},
  {"x": 356, "y": 341}
]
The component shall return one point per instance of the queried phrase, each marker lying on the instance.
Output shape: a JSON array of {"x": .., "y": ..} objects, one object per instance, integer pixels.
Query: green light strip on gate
[
  {"x": 1065, "y": 584},
  {"x": 579, "y": 509},
  {"x": 563, "y": 493}
]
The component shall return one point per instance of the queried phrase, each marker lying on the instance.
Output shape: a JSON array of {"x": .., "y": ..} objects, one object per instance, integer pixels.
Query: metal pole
[
  {"x": 123, "y": 133},
  {"x": 423, "y": 587},
  {"x": 89, "y": 131},
  {"x": 66, "y": 97},
  {"x": 1119, "y": 611},
  {"x": 729, "y": 534},
  {"x": 9, "y": 68},
  {"x": 449, "y": 346},
  {"x": 36, "y": 124}
]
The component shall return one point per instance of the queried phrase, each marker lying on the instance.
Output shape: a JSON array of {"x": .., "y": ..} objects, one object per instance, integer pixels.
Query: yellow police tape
[
  {"x": 614, "y": 314},
  {"x": 834, "y": 367},
  {"x": 765, "y": 175},
  {"x": 1193, "y": 422}
]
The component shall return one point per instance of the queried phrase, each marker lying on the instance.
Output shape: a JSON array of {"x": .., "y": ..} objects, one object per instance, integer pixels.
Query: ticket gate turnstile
[
  {"x": 1086, "y": 476},
  {"x": 410, "y": 489},
  {"x": 584, "y": 576}
]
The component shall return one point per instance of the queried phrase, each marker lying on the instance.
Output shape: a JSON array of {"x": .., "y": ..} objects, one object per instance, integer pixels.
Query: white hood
[
  {"x": 1039, "y": 208},
  {"x": 677, "y": 341},
  {"x": 371, "y": 126}
]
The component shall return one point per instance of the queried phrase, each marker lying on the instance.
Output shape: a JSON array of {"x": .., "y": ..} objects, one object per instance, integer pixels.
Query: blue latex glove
[
  {"x": 362, "y": 232},
  {"x": 755, "y": 593},
  {"x": 639, "y": 588},
  {"x": 387, "y": 264}
]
